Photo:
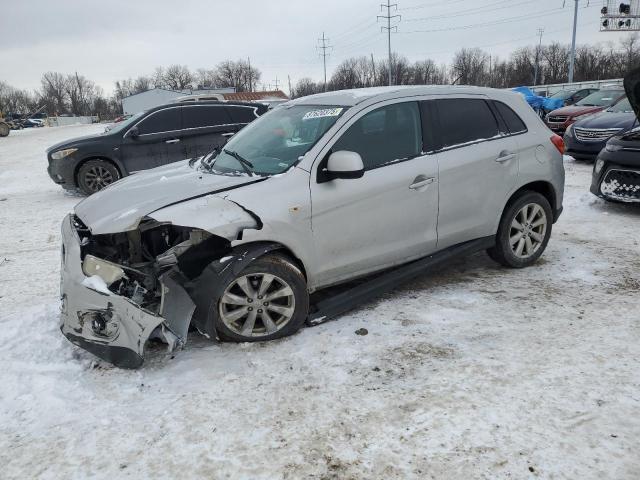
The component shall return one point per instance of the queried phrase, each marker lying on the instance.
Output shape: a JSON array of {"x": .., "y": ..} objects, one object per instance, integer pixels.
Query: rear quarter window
[
  {"x": 513, "y": 122},
  {"x": 241, "y": 114}
]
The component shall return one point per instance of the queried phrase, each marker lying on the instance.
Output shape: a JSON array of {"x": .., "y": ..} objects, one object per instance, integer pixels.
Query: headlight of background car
[
  {"x": 568, "y": 130},
  {"x": 598, "y": 166},
  {"x": 63, "y": 153}
]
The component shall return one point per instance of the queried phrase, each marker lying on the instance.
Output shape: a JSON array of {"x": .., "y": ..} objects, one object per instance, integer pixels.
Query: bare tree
[
  {"x": 557, "y": 63},
  {"x": 237, "y": 74},
  {"x": 178, "y": 77},
  {"x": 306, "y": 86},
  {"x": 54, "y": 93},
  {"x": 469, "y": 66}
]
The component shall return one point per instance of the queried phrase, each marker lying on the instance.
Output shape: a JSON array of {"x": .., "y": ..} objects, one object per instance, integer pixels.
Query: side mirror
[
  {"x": 133, "y": 132},
  {"x": 344, "y": 164}
]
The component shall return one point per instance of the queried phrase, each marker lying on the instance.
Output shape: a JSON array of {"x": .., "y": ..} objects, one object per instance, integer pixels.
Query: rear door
[
  {"x": 205, "y": 127},
  {"x": 478, "y": 167},
  {"x": 158, "y": 141}
]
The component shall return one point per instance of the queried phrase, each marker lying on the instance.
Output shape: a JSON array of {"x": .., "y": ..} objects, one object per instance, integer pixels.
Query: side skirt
[{"x": 335, "y": 305}]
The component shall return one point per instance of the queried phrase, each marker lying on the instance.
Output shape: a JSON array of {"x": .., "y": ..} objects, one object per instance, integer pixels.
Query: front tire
[
  {"x": 524, "y": 231},
  {"x": 95, "y": 175},
  {"x": 267, "y": 300}
]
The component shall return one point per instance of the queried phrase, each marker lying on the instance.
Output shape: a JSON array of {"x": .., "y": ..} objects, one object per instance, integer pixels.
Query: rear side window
[
  {"x": 165, "y": 120},
  {"x": 385, "y": 135},
  {"x": 241, "y": 114},
  {"x": 204, "y": 116},
  {"x": 511, "y": 119},
  {"x": 465, "y": 120}
]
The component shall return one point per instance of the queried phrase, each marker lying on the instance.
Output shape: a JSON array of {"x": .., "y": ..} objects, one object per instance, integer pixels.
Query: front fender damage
[{"x": 119, "y": 290}]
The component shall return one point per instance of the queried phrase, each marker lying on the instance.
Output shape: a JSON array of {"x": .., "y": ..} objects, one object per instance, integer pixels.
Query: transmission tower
[
  {"x": 535, "y": 74},
  {"x": 323, "y": 47},
  {"x": 388, "y": 17}
]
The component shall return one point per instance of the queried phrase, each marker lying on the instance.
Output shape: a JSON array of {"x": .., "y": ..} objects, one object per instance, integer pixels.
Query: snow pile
[{"x": 473, "y": 371}]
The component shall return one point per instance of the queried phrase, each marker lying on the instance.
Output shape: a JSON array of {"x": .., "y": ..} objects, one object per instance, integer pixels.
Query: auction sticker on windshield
[{"x": 325, "y": 112}]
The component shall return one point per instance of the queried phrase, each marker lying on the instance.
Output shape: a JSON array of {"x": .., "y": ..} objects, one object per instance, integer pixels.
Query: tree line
[
  {"x": 74, "y": 94},
  {"x": 474, "y": 66}
]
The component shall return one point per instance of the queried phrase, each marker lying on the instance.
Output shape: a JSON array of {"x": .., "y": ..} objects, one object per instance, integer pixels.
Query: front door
[
  {"x": 389, "y": 215},
  {"x": 159, "y": 141}
]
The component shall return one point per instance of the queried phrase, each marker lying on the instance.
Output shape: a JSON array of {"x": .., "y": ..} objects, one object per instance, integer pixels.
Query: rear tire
[
  {"x": 524, "y": 231},
  {"x": 95, "y": 175},
  {"x": 267, "y": 300}
]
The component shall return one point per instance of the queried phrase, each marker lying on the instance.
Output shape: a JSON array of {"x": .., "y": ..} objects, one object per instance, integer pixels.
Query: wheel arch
[
  {"x": 542, "y": 187},
  {"x": 113, "y": 162}
]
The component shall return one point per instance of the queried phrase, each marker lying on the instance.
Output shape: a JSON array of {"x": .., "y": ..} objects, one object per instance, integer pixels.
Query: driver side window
[{"x": 386, "y": 135}]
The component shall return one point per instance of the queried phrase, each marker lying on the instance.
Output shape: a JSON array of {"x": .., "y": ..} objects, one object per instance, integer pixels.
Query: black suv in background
[
  {"x": 149, "y": 139},
  {"x": 616, "y": 173}
]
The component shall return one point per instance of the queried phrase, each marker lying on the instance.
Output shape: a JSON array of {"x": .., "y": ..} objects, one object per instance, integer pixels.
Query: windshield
[
  {"x": 563, "y": 94},
  {"x": 623, "y": 106},
  {"x": 601, "y": 98},
  {"x": 274, "y": 142},
  {"x": 117, "y": 127}
]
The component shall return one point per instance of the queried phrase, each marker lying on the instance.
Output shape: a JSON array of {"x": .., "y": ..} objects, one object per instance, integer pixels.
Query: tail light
[{"x": 558, "y": 143}]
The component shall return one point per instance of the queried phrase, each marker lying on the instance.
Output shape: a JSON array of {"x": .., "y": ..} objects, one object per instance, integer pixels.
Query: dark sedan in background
[
  {"x": 616, "y": 172},
  {"x": 559, "y": 120},
  {"x": 149, "y": 139},
  {"x": 584, "y": 139}
]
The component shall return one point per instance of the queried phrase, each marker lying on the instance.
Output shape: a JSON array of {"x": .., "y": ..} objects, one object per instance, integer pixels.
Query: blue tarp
[{"x": 537, "y": 102}]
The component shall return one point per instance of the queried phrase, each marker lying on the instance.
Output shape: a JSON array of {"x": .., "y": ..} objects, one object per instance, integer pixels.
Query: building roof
[{"x": 254, "y": 96}]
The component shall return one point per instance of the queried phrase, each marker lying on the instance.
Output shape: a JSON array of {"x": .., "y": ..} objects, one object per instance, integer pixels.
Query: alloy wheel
[
  {"x": 257, "y": 305},
  {"x": 98, "y": 177},
  {"x": 528, "y": 230}
]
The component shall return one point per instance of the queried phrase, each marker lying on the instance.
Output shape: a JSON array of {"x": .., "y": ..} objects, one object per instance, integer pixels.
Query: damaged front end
[{"x": 119, "y": 290}]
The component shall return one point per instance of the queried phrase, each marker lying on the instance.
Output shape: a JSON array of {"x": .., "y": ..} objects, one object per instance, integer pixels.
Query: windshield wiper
[{"x": 246, "y": 164}]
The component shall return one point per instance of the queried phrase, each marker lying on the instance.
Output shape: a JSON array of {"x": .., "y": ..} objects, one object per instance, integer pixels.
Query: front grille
[
  {"x": 594, "y": 134},
  {"x": 557, "y": 119},
  {"x": 621, "y": 185}
]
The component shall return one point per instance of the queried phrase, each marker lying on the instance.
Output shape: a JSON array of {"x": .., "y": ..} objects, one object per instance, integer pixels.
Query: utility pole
[
  {"x": 373, "y": 68},
  {"x": 290, "y": 89},
  {"x": 388, "y": 17},
  {"x": 249, "y": 62},
  {"x": 535, "y": 73},
  {"x": 572, "y": 61},
  {"x": 324, "y": 47}
]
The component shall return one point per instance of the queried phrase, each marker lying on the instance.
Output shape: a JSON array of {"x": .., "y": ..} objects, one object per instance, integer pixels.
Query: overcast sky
[{"x": 116, "y": 39}]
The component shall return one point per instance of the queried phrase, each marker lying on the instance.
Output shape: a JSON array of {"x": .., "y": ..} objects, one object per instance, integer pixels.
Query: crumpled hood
[
  {"x": 121, "y": 206},
  {"x": 632, "y": 89},
  {"x": 608, "y": 120}
]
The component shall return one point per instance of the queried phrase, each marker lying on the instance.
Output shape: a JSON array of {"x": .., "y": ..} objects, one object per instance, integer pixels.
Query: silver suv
[{"x": 318, "y": 192}]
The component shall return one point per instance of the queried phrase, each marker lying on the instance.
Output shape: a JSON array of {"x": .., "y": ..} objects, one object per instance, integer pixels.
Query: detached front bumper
[{"x": 110, "y": 326}]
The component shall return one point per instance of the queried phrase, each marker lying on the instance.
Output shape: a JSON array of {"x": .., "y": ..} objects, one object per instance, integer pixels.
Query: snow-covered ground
[{"x": 472, "y": 372}]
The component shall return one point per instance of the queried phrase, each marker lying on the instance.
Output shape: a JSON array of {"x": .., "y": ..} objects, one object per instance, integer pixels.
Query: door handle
[
  {"x": 175, "y": 140},
  {"x": 230, "y": 134},
  {"x": 505, "y": 156},
  {"x": 421, "y": 183}
]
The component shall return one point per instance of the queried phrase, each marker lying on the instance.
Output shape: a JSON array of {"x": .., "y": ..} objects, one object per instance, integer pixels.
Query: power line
[
  {"x": 488, "y": 24},
  {"x": 324, "y": 47},
  {"x": 388, "y": 17}
]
